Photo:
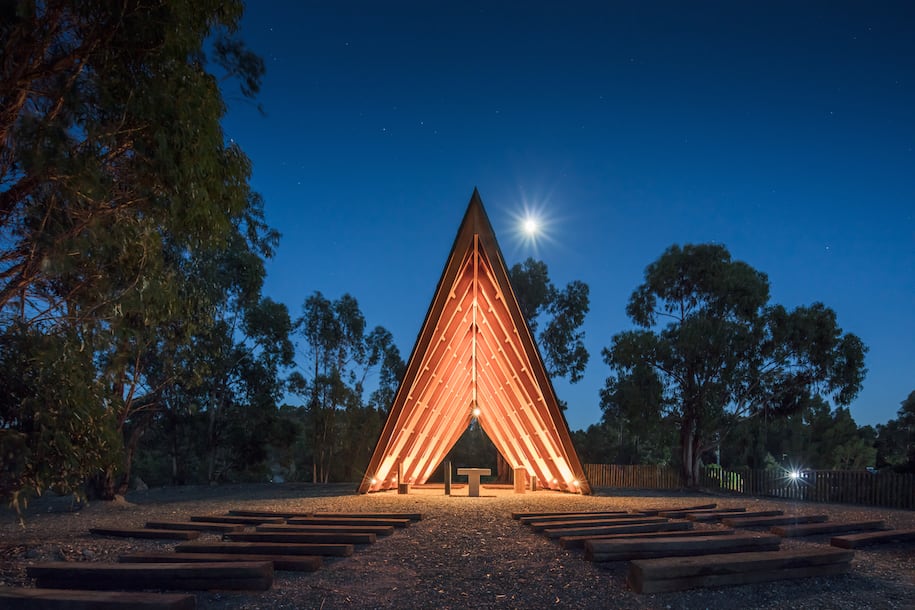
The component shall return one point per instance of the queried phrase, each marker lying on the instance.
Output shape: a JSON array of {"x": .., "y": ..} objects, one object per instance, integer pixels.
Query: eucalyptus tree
[
  {"x": 561, "y": 340},
  {"x": 709, "y": 349},
  {"x": 339, "y": 356},
  {"x": 115, "y": 176}
]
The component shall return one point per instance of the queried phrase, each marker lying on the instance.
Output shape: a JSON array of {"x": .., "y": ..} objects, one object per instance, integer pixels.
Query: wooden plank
[
  {"x": 378, "y": 530},
  {"x": 539, "y": 526},
  {"x": 268, "y": 513},
  {"x": 681, "y": 514},
  {"x": 697, "y": 507},
  {"x": 854, "y": 541},
  {"x": 158, "y": 534},
  {"x": 812, "y": 529},
  {"x": 410, "y": 516},
  {"x": 641, "y": 548},
  {"x": 237, "y": 576},
  {"x": 348, "y": 521},
  {"x": 19, "y": 598},
  {"x": 286, "y": 563},
  {"x": 267, "y": 548},
  {"x": 303, "y": 537},
  {"x": 195, "y": 526},
  {"x": 574, "y": 542},
  {"x": 237, "y": 519},
  {"x": 591, "y": 532},
  {"x": 714, "y": 515},
  {"x": 579, "y": 517},
  {"x": 519, "y": 515},
  {"x": 678, "y": 573},
  {"x": 768, "y": 521}
]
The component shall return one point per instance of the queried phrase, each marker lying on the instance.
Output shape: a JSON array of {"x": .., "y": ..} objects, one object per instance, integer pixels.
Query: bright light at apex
[{"x": 476, "y": 411}]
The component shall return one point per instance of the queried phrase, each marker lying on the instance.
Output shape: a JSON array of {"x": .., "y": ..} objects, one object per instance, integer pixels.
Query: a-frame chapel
[{"x": 475, "y": 358}]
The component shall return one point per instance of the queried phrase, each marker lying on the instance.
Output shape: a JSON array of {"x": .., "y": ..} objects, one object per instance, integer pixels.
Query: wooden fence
[{"x": 841, "y": 486}]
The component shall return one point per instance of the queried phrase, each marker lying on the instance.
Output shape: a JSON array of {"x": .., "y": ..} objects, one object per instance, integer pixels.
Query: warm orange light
[
  {"x": 476, "y": 411},
  {"x": 374, "y": 480}
]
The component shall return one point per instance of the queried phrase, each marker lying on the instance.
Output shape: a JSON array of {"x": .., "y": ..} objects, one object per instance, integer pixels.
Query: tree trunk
[{"x": 690, "y": 454}]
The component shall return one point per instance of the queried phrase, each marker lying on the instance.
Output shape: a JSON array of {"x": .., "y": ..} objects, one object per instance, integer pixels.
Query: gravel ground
[{"x": 466, "y": 552}]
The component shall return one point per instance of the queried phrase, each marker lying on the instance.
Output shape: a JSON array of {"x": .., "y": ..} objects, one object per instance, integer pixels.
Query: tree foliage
[
  {"x": 563, "y": 312},
  {"x": 339, "y": 356},
  {"x": 709, "y": 349},
  {"x": 895, "y": 441},
  {"x": 118, "y": 195}
]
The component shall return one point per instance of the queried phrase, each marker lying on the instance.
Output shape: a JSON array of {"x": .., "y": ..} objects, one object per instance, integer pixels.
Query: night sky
[{"x": 784, "y": 130}]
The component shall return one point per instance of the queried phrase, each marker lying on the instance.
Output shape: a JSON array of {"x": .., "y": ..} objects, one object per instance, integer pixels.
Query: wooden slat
[
  {"x": 698, "y": 507},
  {"x": 639, "y": 548},
  {"x": 591, "y": 532},
  {"x": 539, "y": 526},
  {"x": 854, "y": 541},
  {"x": 287, "y": 563},
  {"x": 769, "y": 521},
  {"x": 267, "y": 548},
  {"x": 678, "y": 573},
  {"x": 245, "y": 576},
  {"x": 714, "y": 515},
  {"x": 574, "y": 542},
  {"x": 303, "y": 537},
  {"x": 579, "y": 517},
  {"x": 812, "y": 529},
  {"x": 518, "y": 516},
  {"x": 195, "y": 526},
  {"x": 158, "y": 534},
  {"x": 268, "y": 513},
  {"x": 19, "y": 598},
  {"x": 410, "y": 516},
  {"x": 681, "y": 514},
  {"x": 237, "y": 519},
  {"x": 378, "y": 530},
  {"x": 349, "y": 521}
]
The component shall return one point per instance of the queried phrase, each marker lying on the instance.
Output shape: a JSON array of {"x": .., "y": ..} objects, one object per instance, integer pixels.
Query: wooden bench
[
  {"x": 679, "y": 573},
  {"x": 639, "y": 548},
  {"x": 854, "y": 541},
  {"x": 595, "y": 532},
  {"x": 238, "y": 576},
  {"x": 539, "y": 526},
  {"x": 286, "y": 563},
  {"x": 272, "y": 514},
  {"x": 410, "y": 516},
  {"x": 303, "y": 537},
  {"x": 139, "y": 532},
  {"x": 715, "y": 515},
  {"x": 680, "y": 514},
  {"x": 267, "y": 548},
  {"x": 812, "y": 529},
  {"x": 572, "y": 542},
  {"x": 18, "y": 598},
  {"x": 691, "y": 509},
  {"x": 581, "y": 517},
  {"x": 522, "y": 515},
  {"x": 608, "y": 528},
  {"x": 378, "y": 530},
  {"x": 237, "y": 519},
  {"x": 195, "y": 526},
  {"x": 349, "y": 521},
  {"x": 768, "y": 521}
]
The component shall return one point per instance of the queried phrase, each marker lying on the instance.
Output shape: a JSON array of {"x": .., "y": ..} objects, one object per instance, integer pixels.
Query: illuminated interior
[{"x": 475, "y": 358}]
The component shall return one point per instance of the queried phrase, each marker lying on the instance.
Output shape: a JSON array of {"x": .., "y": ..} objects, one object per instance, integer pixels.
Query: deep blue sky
[{"x": 784, "y": 130}]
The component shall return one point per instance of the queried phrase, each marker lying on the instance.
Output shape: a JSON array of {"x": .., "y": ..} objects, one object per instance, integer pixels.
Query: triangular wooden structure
[{"x": 475, "y": 357}]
